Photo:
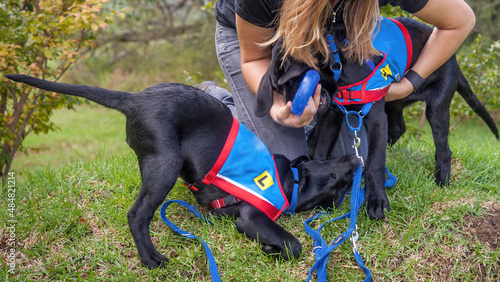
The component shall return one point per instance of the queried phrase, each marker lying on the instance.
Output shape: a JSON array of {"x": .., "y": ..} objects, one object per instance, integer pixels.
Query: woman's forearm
[
  {"x": 255, "y": 59},
  {"x": 453, "y": 21},
  {"x": 253, "y": 72}
]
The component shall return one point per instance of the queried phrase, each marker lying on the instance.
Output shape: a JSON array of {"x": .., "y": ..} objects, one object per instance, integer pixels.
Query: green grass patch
[{"x": 84, "y": 133}]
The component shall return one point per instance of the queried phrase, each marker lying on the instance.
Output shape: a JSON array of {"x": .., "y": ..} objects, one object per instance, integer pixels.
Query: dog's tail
[
  {"x": 112, "y": 99},
  {"x": 466, "y": 92}
]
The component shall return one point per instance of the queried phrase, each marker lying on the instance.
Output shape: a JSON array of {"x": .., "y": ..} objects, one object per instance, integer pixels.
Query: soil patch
[{"x": 486, "y": 228}]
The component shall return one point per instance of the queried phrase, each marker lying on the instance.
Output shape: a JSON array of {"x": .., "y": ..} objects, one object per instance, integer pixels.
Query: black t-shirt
[{"x": 263, "y": 12}]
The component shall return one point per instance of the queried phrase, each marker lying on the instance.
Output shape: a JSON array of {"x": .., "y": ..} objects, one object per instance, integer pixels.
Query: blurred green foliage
[{"x": 43, "y": 39}]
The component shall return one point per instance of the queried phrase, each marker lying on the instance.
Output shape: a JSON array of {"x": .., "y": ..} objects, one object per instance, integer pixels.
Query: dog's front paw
[
  {"x": 271, "y": 250},
  {"x": 376, "y": 207},
  {"x": 157, "y": 261},
  {"x": 292, "y": 251}
]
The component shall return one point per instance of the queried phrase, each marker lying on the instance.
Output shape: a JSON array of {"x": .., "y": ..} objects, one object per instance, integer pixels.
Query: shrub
[{"x": 42, "y": 39}]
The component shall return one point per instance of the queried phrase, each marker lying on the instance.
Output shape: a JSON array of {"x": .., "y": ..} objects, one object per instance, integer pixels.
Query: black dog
[
  {"x": 176, "y": 129},
  {"x": 385, "y": 122}
]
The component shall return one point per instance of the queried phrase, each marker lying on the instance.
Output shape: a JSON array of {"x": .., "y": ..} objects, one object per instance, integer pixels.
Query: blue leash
[
  {"x": 293, "y": 201},
  {"x": 321, "y": 249},
  {"x": 337, "y": 70},
  {"x": 214, "y": 272}
]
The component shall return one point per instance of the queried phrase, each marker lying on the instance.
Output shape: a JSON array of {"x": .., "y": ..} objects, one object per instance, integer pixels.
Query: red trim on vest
[
  {"x": 409, "y": 46},
  {"x": 364, "y": 81},
  {"x": 220, "y": 203},
  {"x": 271, "y": 211},
  {"x": 228, "y": 146}
]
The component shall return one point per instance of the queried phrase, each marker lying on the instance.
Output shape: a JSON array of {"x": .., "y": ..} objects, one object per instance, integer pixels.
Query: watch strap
[{"x": 414, "y": 78}]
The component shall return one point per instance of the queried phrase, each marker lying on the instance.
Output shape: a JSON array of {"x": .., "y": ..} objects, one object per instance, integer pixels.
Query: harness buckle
[
  {"x": 357, "y": 142},
  {"x": 354, "y": 238},
  {"x": 344, "y": 94}
]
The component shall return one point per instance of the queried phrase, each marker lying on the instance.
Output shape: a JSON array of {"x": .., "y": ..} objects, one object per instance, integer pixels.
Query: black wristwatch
[{"x": 414, "y": 78}]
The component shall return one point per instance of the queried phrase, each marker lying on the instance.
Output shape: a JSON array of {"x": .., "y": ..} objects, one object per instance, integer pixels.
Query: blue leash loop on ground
[
  {"x": 214, "y": 272},
  {"x": 321, "y": 249}
]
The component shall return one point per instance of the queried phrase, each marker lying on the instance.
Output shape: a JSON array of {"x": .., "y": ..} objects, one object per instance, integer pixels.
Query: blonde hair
[{"x": 302, "y": 23}]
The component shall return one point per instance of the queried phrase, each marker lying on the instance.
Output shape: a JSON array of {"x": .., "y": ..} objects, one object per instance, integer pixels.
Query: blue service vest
[
  {"x": 246, "y": 169},
  {"x": 393, "y": 40}
]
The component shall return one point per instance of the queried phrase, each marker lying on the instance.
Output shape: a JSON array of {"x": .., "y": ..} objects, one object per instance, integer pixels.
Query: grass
[
  {"x": 71, "y": 210},
  {"x": 86, "y": 133}
]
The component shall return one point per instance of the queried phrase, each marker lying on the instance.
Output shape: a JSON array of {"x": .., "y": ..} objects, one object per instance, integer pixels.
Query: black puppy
[
  {"x": 175, "y": 129},
  {"x": 437, "y": 91},
  {"x": 384, "y": 123}
]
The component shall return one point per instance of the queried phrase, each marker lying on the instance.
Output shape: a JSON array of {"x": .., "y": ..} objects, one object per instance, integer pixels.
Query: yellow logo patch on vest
[
  {"x": 386, "y": 72},
  {"x": 264, "y": 181}
]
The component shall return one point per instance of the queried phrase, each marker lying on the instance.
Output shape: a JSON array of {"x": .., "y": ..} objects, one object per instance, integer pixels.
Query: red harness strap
[
  {"x": 219, "y": 203},
  {"x": 364, "y": 95},
  {"x": 346, "y": 95},
  {"x": 224, "y": 202}
]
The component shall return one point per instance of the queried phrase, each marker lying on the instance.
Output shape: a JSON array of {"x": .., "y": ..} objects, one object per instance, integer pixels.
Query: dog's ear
[
  {"x": 269, "y": 82},
  {"x": 281, "y": 160},
  {"x": 299, "y": 161},
  {"x": 293, "y": 71},
  {"x": 300, "y": 164},
  {"x": 264, "y": 97}
]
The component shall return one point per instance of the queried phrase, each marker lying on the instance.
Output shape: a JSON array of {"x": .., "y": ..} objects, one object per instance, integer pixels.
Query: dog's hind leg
[
  {"x": 159, "y": 174},
  {"x": 396, "y": 125},
  {"x": 439, "y": 120},
  {"x": 274, "y": 239},
  {"x": 438, "y": 99}
]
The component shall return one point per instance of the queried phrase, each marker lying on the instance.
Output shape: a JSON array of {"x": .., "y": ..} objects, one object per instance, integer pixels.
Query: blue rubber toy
[{"x": 306, "y": 90}]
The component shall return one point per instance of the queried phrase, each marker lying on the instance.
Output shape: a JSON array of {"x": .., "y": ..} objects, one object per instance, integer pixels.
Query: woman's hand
[
  {"x": 281, "y": 112},
  {"x": 399, "y": 90}
]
